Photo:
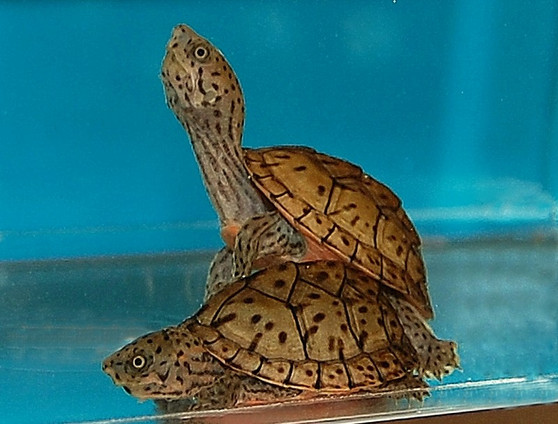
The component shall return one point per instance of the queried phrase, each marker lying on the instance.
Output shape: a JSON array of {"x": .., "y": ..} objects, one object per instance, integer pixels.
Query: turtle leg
[
  {"x": 220, "y": 272},
  {"x": 265, "y": 235},
  {"x": 252, "y": 391},
  {"x": 224, "y": 393},
  {"x": 436, "y": 357}
]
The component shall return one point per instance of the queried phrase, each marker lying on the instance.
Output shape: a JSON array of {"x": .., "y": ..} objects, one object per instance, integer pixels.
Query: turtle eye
[
  {"x": 138, "y": 362},
  {"x": 201, "y": 52}
]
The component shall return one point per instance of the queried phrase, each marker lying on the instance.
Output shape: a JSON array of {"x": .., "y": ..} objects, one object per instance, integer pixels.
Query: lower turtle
[{"x": 289, "y": 331}]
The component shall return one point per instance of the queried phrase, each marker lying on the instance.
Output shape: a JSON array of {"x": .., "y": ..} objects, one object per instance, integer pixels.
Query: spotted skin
[
  {"x": 292, "y": 330},
  {"x": 325, "y": 207}
]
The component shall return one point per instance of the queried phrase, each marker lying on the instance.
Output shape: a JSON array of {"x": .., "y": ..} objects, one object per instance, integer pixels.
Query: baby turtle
[
  {"x": 284, "y": 203},
  {"x": 293, "y": 330}
]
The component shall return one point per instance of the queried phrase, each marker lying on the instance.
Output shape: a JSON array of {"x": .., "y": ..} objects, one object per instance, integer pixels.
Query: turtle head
[
  {"x": 166, "y": 364},
  {"x": 201, "y": 87}
]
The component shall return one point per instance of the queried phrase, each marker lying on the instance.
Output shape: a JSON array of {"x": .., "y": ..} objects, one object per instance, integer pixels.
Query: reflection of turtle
[
  {"x": 284, "y": 203},
  {"x": 291, "y": 330}
]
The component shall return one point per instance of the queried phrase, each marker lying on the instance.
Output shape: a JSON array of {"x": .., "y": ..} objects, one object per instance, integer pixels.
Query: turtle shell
[
  {"x": 320, "y": 326},
  {"x": 334, "y": 203}
]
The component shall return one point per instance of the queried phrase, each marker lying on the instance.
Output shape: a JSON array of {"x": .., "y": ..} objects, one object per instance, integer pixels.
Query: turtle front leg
[
  {"x": 262, "y": 236},
  {"x": 220, "y": 272},
  {"x": 437, "y": 358}
]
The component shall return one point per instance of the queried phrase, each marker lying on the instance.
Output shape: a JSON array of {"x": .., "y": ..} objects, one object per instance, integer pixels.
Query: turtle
[
  {"x": 289, "y": 331},
  {"x": 285, "y": 202}
]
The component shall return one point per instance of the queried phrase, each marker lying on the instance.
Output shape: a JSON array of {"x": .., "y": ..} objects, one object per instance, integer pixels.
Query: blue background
[{"x": 452, "y": 104}]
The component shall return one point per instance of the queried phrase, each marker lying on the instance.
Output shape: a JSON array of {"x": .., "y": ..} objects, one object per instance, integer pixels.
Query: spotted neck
[
  {"x": 203, "y": 92},
  {"x": 226, "y": 180}
]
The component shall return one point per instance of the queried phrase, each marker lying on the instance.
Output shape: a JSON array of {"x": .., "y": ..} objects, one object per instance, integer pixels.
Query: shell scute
[
  {"x": 329, "y": 278},
  {"x": 366, "y": 322},
  {"x": 389, "y": 366},
  {"x": 304, "y": 374},
  {"x": 277, "y": 284},
  {"x": 275, "y": 370},
  {"x": 333, "y": 376},
  {"x": 316, "y": 223},
  {"x": 246, "y": 360},
  {"x": 363, "y": 372},
  {"x": 258, "y": 325}
]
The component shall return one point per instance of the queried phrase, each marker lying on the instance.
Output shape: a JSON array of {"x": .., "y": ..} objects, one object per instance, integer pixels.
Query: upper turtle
[{"x": 325, "y": 203}]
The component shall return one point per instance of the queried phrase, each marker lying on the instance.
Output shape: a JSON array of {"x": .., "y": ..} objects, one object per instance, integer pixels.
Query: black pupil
[
  {"x": 138, "y": 362},
  {"x": 200, "y": 52}
]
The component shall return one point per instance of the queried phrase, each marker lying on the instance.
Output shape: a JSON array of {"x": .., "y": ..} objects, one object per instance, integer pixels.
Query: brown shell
[
  {"x": 319, "y": 326},
  {"x": 336, "y": 204}
]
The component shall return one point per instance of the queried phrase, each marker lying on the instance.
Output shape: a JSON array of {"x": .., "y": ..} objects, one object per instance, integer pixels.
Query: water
[
  {"x": 59, "y": 319},
  {"x": 106, "y": 231}
]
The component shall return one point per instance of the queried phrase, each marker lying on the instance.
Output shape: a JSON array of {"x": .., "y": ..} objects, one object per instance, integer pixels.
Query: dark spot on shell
[
  {"x": 158, "y": 350},
  {"x": 344, "y": 327},
  {"x": 345, "y": 241},
  {"x": 249, "y": 300},
  {"x": 321, "y": 190},
  {"x": 363, "y": 309},
  {"x": 279, "y": 283},
  {"x": 282, "y": 337},
  {"x": 319, "y": 317},
  {"x": 256, "y": 318},
  {"x": 280, "y": 370},
  {"x": 339, "y": 371},
  {"x": 223, "y": 320},
  {"x": 282, "y": 267},
  {"x": 300, "y": 168},
  {"x": 309, "y": 373},
  {"x": 268, "y": 326},
  {"x": 313, "y": 329},
  {"x": 314, "y": 295},
  {"x": 322, "y": 276},
  {"x": 384, "y": 364}
]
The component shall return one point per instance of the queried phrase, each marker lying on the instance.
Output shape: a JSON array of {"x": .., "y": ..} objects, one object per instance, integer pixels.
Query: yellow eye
[
  {"x": 138, "y": 362},
  {"x": 201, "y": 52}
]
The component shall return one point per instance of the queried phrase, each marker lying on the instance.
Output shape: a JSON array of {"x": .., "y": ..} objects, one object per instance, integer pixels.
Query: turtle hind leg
[
  {"x": 263, "y": 236},
  {"x": 436, "y": 358}
]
